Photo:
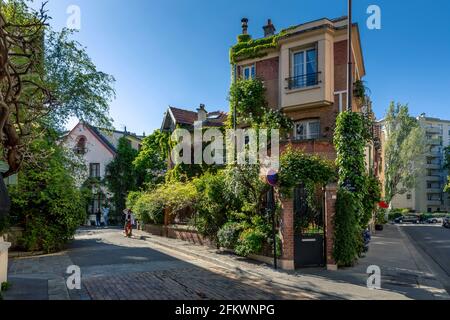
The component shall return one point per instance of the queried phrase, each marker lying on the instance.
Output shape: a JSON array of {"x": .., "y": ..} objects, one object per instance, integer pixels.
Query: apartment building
[
  {"x": 304, "y": 69},
  {"x": 428, "y": 196}
]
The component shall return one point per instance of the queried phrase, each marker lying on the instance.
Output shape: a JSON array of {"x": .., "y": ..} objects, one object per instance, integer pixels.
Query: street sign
[{"x": 272, "y": 177}]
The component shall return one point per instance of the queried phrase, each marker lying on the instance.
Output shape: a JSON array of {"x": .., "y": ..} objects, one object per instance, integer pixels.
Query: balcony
[
  {"x": 434, "y": 142},
  {"x": 433, "y": 178},
  {"x": 434, "y": 190},
  {"x": 435, "y": 166},
  {"x": 433, "y": 154},
  {"x": 434, "y": 202},
  {"x": 303, "y": 81},
  {"x": 434, "y": 130}
]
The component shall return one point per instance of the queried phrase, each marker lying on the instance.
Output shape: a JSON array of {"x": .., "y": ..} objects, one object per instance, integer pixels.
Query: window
[
  {"x": 94, "y": 170},
  {"x": 305, "y": 130},
  {"x": 80, "y": 147},
  {"x": 249, "y": 72},
  {"x": 304, "y": 69},
  {"x": 408, "y": 197}
]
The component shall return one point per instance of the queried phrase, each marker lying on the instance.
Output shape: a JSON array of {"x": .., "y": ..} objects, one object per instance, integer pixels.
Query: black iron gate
[{"x": 309, "y": 239}]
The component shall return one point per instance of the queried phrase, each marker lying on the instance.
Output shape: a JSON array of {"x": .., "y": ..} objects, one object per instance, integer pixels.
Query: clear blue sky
[{"x": 175, "y": 52}]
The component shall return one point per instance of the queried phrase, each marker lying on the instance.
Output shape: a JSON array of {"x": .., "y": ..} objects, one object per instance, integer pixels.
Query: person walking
[
  {"x": 98, "y": 217},
  {"x": 129, "y": 221},
  {"x": 105, "y": 211}
]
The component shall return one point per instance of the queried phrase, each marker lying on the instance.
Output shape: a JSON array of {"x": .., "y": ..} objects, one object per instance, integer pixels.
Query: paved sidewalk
[
  {"x": 405, "y": 273},
  {"x": 316, "y": 283}
]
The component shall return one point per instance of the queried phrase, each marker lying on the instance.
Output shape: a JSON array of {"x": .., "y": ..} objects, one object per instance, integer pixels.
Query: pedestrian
[
  {"x": 129, "y": 221},
  {"x": 98, "y": 217},
  {"x": 105, "y": 211}
]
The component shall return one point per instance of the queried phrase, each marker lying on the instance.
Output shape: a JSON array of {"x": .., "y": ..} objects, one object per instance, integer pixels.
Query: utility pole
[{"x": 350, "y": 64}]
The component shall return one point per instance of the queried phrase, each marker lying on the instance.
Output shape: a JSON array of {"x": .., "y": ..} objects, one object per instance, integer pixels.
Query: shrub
[
  {"x": 347, "y": 231},
  {"x": 47, "y": 202},
  {"x": 228, "y": 235},
  {"x": 149, "y": 208},
  {"x": 394, "y": 214},
  {"x": 250, "y": 242},
  {"x": 213, "y": 206},
  {"x": 380, "y": 217}
]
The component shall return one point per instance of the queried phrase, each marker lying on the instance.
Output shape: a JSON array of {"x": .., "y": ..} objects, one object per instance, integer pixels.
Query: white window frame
[
  {"x": 309, "y": 135},
  {"x": 304, "y": 50},
  {"x": 249, "y": 67}
]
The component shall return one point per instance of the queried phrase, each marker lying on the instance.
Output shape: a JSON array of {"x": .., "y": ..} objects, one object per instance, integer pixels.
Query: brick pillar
[
  {"x": 330, "y": 210},
  {"x": 287, "y": 233}
]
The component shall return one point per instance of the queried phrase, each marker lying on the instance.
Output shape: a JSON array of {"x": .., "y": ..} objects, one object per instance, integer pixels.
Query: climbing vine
[
  {"x": 357, "y": 191},
  {"x": 298, "y": 167},
  {"x": 246, "y": 48}
]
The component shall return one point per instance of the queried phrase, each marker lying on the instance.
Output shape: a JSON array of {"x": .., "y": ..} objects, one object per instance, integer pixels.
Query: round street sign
[{"x": 272, "y": 177}]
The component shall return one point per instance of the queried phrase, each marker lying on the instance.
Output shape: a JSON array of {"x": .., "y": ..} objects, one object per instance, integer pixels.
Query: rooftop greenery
[{"x": 247, "y": 48}]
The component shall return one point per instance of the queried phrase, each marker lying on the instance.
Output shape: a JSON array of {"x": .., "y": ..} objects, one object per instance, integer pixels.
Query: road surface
[{"x": 434, "y": 242}]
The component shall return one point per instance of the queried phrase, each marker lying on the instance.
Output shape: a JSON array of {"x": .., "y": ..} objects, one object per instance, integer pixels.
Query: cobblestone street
[
  {"x": 116, "y": 268},
  {"x": 148, "y": 267}
]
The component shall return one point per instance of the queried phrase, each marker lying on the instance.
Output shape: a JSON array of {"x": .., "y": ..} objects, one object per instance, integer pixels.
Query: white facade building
[
  {"x": 98, "y": 148},
  {"x": 429, "y": 196}
]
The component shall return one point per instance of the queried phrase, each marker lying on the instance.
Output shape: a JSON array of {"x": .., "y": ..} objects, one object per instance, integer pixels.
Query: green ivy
[
  {"x": 246, "y": 48},
  {"x": 354, "y": 207},
  {"x": 347, "y": 240},
  {"x": 297, "y": 166}
]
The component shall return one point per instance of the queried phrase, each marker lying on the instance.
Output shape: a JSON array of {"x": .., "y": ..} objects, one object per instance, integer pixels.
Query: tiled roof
[
  {"x": 184, "y": 116},
  {"x": 216, "y": 118}
]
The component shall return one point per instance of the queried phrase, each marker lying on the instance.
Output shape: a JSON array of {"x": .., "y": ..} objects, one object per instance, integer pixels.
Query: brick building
[{"x": 304, "y": 70}]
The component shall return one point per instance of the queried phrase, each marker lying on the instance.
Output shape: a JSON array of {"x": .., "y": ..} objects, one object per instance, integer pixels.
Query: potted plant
[{"x": 380, "y": 220}]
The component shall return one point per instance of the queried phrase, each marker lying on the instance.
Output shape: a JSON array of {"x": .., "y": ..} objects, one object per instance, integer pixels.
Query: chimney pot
[
  {"x": 202, "y": 113},
  {"x": 269, "y": 29},
  {"x": 244, "y": 25}
]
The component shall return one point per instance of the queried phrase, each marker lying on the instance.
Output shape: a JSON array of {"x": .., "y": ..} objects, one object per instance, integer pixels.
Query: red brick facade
[{"x": 269, "y": 71}]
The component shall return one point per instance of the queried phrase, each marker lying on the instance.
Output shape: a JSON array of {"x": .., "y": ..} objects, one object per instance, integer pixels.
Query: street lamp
[{"x": 350, "y": 53}]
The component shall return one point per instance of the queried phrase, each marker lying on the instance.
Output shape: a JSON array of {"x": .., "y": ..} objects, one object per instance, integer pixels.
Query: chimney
[
  {"x": 202, "y": 114},
  {"x": 244, "y": 25},
  {"x": 269, "y": 29}
]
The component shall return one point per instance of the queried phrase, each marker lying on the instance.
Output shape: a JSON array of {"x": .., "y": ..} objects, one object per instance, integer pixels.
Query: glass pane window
[
  {"x": 304, "y": 69},
  {"x": 249, "y": 72},
  {"x": 305, "y": 130},
  {"x": 94, "y": 170}
]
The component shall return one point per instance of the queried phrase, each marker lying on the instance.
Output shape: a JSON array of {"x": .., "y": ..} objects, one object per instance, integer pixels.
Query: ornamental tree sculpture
[{"x": 45, "y": 79}]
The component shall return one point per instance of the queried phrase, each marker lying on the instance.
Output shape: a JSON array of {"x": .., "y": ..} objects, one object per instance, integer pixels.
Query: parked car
[
  {"x": 446, "y": 222},
  {"x": 435, "y": 220},
  {"x": 408, "y": 219}
]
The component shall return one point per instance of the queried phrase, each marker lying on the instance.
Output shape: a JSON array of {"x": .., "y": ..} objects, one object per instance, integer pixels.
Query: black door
[{"x": 309, "y": 237}]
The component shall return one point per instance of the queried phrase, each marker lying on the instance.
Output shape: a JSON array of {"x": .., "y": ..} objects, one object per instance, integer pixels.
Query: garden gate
[{"x": 309, "y": 236}]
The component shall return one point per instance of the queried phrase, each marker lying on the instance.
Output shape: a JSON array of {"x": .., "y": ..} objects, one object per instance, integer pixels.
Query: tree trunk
[{"x": 5, "y": 202}]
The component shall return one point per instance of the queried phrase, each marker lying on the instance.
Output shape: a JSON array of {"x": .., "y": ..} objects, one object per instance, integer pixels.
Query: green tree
[
  {"x": 447, "y": 167},
  {"x": 120, "y": 175},
  {"x": 404, "y": 152},
  {"x": 47, "y": 201},
  {"x": 46, "y": 78},
  {"x": 151, "y": 162}
]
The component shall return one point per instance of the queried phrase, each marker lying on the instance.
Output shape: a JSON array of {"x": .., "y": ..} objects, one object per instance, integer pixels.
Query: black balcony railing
[{"x": 303, "y": 81}]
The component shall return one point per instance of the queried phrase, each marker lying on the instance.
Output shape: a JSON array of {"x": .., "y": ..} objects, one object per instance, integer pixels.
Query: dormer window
[
  {"x": 80, "y": 147},
  {"x": 249, "y": 72}
]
